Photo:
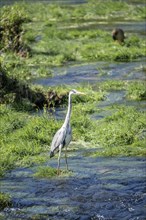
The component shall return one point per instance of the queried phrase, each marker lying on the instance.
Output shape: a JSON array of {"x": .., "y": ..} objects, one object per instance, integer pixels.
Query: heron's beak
[{"x": 81, "y": 93}]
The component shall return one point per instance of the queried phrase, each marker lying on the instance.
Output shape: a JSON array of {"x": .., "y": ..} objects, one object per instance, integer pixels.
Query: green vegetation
[
  {"x": 38, "y": 37},
  {"x": 137, "y": 90},
  {"x": 45, "y": 172},
  {"x": 56, "y": 34},
  {"x": 11, "y": 22},
  {"x": 121, "y": 131},
  {"x": 49, "y": 172},
  {"x": 5, "y": 201},
  {"x": 27, "y": 137}
]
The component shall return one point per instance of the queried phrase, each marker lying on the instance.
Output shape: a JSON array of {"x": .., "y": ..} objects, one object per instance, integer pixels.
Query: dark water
[
  {"x": 99, "y": 188},
  {"x": 8, "y": 2},
  {"x": 94, "y": 72},
  {"x": 129, "y": 27}
]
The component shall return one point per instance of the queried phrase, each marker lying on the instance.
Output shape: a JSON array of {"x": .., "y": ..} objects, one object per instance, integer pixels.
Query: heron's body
[{"x": 63, "y": 136}]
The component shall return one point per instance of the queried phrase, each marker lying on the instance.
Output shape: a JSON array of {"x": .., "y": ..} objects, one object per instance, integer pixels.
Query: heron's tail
[{"x": 51, "y": 154}]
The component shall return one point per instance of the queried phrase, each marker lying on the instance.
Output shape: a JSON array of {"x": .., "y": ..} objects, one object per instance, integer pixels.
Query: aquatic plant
[{"x": 45, "y": 172}]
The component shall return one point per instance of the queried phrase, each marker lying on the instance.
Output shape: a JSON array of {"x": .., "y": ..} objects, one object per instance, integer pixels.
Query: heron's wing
[{"x": 58, "y": 138}]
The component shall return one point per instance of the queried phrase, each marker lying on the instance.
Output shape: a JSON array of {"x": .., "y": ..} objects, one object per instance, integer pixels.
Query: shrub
[{"x": 12, "y": 18}]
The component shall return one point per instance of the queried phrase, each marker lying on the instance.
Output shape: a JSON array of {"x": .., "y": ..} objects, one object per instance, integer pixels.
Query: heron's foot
[
  {"x": 58, "y": 172},
  {"x": 67, "y": 171},
  {"x": 70, "y": 171}
]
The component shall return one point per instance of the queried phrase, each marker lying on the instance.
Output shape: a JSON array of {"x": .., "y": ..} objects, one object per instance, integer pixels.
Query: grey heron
[
  {"x": 118, "y": 34},
  {"x": 63, "y": 136}
]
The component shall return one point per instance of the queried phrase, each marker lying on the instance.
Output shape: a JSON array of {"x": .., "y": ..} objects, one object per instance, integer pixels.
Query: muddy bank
[{"x": 15, "y": 91}]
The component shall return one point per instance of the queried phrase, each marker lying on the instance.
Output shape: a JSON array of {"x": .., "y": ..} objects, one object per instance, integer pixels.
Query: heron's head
[{"x": 75, "y": 92}]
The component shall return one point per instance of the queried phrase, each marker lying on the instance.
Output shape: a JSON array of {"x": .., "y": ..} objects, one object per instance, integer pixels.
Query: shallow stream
[
  {"x": 99, "y": 188},
  {"x": 94, "y": 72}
]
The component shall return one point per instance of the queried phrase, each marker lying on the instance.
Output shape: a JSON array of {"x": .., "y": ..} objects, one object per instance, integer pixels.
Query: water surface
[
  {"x": 94, "y": 72},
  {"x": 99, "y": 188}
]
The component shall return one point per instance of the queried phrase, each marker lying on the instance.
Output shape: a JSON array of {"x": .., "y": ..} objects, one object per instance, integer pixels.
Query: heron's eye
[{"x": 73, "y": 90}]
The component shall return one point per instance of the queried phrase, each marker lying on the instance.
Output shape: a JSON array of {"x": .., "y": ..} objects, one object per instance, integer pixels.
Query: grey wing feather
[{"x": 58, "y": 139}]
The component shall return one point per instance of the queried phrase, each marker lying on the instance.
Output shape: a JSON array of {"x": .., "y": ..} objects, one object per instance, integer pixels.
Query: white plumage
[{"x": 63, "y": 136}]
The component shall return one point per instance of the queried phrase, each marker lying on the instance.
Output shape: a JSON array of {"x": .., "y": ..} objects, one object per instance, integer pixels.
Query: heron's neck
[{"x": 69, "y": 110}]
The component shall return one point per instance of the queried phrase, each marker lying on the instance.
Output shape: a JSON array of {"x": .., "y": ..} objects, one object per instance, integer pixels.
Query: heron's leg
[
  {"x": 66, "y": 157},
  {"x": 59, "y": 156}
]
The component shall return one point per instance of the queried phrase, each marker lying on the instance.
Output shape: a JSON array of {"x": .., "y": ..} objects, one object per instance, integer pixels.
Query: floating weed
[
  {"x": 45, "y": 172},
  {"x": 50, "y": 172}
]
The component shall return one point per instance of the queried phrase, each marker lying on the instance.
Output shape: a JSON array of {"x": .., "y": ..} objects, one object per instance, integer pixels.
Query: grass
[
  {"x": 83, "y": 45},
  {"x": 5, "y": 201},
  {"x": 135, "y": 90},
  {"x": 27, "y": 137},
  {"x": 58, "y": 34},
  {"x": 45, "y": 172},
  {"x": 125, "y": 126},
  {"x": 92, "y": 10},
  {"x": 49, "y": 172}
]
